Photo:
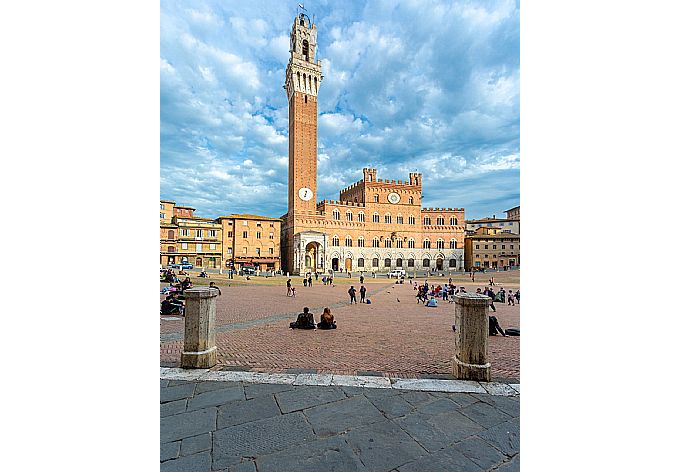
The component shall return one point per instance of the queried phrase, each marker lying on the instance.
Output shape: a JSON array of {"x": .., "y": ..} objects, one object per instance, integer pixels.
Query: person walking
[
  {"x": 362, "y": 293},
  {"x": 361, "y": 279},
  {"x": 353, "y": 295},
  {"x": 289, "y": 287},
  {"x": 511, "y": 298},
  {"x": 309, "y": 281}
]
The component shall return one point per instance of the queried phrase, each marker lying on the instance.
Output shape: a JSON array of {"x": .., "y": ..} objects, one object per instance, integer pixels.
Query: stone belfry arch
[{"x": 302, "y": 84}]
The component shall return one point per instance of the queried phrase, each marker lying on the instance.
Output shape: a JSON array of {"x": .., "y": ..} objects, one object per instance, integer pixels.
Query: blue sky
[{"x": 425, "y": 86}]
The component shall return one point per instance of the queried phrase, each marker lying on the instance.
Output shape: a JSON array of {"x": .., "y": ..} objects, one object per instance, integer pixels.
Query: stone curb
[{"x": 364, "y": 381}]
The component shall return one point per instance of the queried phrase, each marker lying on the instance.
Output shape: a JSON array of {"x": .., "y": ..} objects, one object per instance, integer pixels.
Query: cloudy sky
[{"x": 427, "y": 86}]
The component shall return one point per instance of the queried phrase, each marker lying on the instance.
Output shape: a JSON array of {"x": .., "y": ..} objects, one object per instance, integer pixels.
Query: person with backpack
[
  {"x": 353, "y": 295},
  {"x": 362, "y": 293}
]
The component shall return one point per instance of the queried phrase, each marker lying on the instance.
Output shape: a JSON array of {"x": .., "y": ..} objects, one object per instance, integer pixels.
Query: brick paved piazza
[{"x": 394, "y": 335}]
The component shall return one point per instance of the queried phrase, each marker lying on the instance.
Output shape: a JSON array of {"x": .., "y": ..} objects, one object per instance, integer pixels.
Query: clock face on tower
[
  {"x": 393, "y": 197},
  {"x": 305, "y": 194}
]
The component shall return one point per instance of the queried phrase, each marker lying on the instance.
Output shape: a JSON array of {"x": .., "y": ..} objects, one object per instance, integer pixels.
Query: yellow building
[
  {"x": 376, "y": 225},
  {"x": 185, "y": 238},
  {"x": 250, "y": 240},
  {"x": 492, "y": 248}
]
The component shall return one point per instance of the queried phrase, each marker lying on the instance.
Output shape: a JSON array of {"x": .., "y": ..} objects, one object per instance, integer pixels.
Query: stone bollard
[
  {"x": 472, "y": 337},
  {"x": 199, "y": 328}
]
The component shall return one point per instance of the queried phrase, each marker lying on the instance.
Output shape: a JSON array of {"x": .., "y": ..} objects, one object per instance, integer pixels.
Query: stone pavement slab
[
  {"x": 215, "y": 397},
  {"x": 187, "y": 424},
  {"x": 383, "y": 446},
  {"x": 337, "y": 417},
  {"x": 259, "y": 438},
  {"x": 304, "y": 397},
  {"x": 195, "y": 444},
  {"x": 479, "y": 451},
  {"x": 177, "y": 392},
  {"x": 437, "y": 431},
  {"x": 441, "y": 461},
  {"x": 174, "y": 407},
  {"x": 235, "y": 413},
  {"x": 505, "y": 437},
  {"x": 485, "y": 414},
  {"x": 330, "y": 454},
  {"x": 200, "y": 462},
  {"x": 257, "y": 390}
]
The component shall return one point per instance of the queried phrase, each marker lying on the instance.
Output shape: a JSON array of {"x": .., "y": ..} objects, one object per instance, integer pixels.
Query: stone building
[
  {"x": 376, "y": 225},
  {"x": 491, "y": 248},
  {"x": 511, "y": 223},
  {"x": 187, "y": 238},
  {"x": 251, "y": 240}
]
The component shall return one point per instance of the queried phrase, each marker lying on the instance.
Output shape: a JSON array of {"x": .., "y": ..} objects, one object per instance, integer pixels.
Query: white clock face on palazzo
[
  {"x": 393, "y": 197},
  {"x": 305, "y": 194}
]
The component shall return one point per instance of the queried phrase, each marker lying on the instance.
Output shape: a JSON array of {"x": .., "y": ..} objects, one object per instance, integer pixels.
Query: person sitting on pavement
[
  {"x": 213, "y": 285},
  {"x": 186, "y": 284},
  {"x": 170, "y": 307},
  {"x": 203, "y": 273},
  {"x": 432, "y": 302},
  {"x": 327, "y": 321},
  {"x": 494, "y": 327},
  {"x": 305, "y": 320}
]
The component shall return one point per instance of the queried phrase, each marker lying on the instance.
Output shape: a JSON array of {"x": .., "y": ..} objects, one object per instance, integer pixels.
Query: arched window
[
  {"x": 453, "y": 244},
  {"x": 427, "y": 244},
  {"x": 398, "y": 243},
  {"x": 360, "y": 262},
  {"x": 398, "y": 262},
  {"x": 375, "y": 242},
  {"x": 336, "y": 214},
  {"x": 410, "y": 243},
  {"x": 336, "y": 241},
  {"x": 305, "y": 49},
  {"x": 348, "y": 241},
  {"x": 427, "y": 220},
  {"x": 410, "y": 201},
  {"x": 410, "y": 220},
  {"x": 439, "y": 244},
  {"x": 387, "y": 242},
  {"x": 360, "y": 241},
  {"x": 426, "y": 262},
  {"x": 453, "y": 221},
  {"x": 171, "y": 248},
  {"x": 348, "y": 215},
  {"x": 369, "y": 178},
  {"x": 360, "y": 217},
  {"x": 410, "y": 262},
  {"x": 387, "y": 218},
  {"x": 376, "y": 198},
  {"x": 375, "y": 262},
  {"x": 439, "y": 221},
  {"x": 375, "y": 218},
  {"x": 386, "y": 262},
  {"x": 171, "y": 234},
  {"x": 315, "y": 86},
  {"x": 399, "y": 219}
]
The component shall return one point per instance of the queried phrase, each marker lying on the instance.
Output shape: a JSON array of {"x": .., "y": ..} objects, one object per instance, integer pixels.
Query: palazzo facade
[{"x": 376, "y": 225}]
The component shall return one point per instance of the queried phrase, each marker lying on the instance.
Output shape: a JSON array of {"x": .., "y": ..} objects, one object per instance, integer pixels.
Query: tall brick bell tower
[{"x": 302, "y": 84}]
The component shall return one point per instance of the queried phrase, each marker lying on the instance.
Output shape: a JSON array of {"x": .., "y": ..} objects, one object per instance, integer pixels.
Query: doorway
[
  {"x": 334, "y": 264},
  {"x": 348, "y": 264},
  {"x": 439, "y": 263}
]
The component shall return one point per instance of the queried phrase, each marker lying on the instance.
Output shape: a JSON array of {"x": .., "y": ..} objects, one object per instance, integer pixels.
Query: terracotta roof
[
  {"x": 167, "y": 201},
  {"x": 494, "y": 236},
  {"x": 245, "y": 216}
]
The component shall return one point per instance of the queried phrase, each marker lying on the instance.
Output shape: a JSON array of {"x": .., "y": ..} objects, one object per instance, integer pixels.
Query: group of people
[
  {"x": 425, "y": 292},
  {"x": 353, "y": 294},
  {"x": 305, "y": 320},
  {"x": 173, "y": 304}
]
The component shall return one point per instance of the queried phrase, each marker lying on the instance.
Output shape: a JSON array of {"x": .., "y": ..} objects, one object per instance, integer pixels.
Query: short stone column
[
  {"x": 471, "y": 360},
  {"x": 199, "y": 328}
]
